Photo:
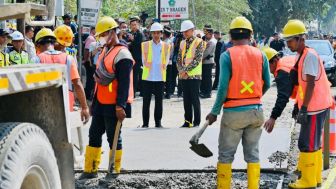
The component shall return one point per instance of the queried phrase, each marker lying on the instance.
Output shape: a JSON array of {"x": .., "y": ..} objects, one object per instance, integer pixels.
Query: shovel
[{"x": 200, "y": 149}]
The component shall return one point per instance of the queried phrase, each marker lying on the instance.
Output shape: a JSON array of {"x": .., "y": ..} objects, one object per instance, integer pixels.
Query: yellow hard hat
[
  {"x": 64, "y": 35},
  {"x": 241, "y": 22},
  {"x": 294, "y": 28},
  {"x": 269, "y": 52},
  {"x": 105, "y": 24},
  {"x": 44, "y": 32}
]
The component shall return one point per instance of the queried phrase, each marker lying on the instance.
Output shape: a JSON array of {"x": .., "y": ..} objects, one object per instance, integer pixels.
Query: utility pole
[
  {"x": 80, "y": 44},
  {"x": 194, "y": 12},
  {"x": 159, "y": 10},
  {"x": 3, "y": 23}
]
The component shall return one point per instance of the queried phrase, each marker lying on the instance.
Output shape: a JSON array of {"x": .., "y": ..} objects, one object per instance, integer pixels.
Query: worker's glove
[
  {"x": 295, "y": 111},
  {"x": 302, "y": 117}
]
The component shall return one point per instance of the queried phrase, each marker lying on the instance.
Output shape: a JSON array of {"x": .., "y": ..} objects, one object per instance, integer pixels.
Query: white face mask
[{"x": 103, "y": 40}]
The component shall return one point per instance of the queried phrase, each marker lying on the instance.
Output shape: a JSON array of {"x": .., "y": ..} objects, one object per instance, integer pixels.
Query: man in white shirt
[
  {"x": 155, "y": 57},
  {"x": 29, "y": 44}
]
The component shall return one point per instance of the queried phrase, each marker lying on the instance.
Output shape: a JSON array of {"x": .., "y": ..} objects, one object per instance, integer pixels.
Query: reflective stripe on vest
[
  {"x": 17, "y": 58},
  {"x": 188, "y": 55},
  {"x": 108, "y": 94},
  {"x": 4, "y": 59},
  {"x": 246, "y": 83},
  {"x": 147, "y": 54},
  {"x": 321, "y": 98}
]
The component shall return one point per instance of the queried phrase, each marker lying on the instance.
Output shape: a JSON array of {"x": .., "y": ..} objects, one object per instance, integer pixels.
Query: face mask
[{"x": 103, "y": 40}]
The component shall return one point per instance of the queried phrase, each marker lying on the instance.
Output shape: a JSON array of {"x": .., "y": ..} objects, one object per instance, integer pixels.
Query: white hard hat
[
  {"x": 187, "y": 25},
  {"x": 17, "y": 36},
  {"x": 156, "y": 27}
]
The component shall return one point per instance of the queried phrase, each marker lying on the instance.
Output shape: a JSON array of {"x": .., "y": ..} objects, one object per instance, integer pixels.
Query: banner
[
  {"x": 174, "y": 9},
  {"x": 90, "y": 11}
]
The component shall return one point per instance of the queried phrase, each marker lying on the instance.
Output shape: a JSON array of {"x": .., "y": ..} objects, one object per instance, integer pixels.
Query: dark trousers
[
  {"x": 90, "y": 83},
  {"x": 155, "y": 88},
  {"x": 171, "y": 79},
  {"x": 101, "y": 124},
  {"x": 310, "y": 134},
  {"x": 206, "y": 84},
  {"x": 191, "y": 100},
  {"x": 137, "y": 75},
  {"x": 215, "y": 84}
]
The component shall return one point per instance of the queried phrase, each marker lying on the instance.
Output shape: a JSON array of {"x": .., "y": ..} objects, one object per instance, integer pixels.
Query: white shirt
[
  {"x": 155, "y": 71},
  {"x": 30, "y": 48}
]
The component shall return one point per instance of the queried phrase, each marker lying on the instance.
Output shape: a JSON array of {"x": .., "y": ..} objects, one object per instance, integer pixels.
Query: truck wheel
[{"x": 27, "y": 159}]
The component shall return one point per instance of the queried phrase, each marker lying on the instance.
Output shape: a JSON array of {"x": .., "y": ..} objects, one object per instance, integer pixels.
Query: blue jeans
[{"x": 236, "y": 126}]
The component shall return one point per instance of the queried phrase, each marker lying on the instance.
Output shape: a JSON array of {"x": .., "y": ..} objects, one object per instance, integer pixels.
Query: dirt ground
[{"x": 206, "y": 180}]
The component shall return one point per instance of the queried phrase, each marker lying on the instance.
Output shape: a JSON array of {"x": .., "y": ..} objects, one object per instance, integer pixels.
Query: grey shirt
[{"x": 209, "y": 53}]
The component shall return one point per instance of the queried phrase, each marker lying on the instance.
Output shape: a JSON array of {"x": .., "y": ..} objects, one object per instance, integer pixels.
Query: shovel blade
[{"x": 201, "y": 150}]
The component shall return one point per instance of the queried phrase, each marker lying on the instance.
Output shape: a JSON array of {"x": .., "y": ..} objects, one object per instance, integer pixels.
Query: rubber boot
[
  {"x": 308, "y": 167},
  {"x": 319, "y": 165},
  {"x": 92, "y": 162},
  {"x": 117, "y": 161},
  {"x": 224, "y": 174},
  {"x": 298, "y": 168},
  {"x": 253, "y": 175}
]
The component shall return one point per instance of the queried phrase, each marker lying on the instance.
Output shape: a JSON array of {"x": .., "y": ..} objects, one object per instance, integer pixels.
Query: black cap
[
  {"x": 167, "y": 29},
  {"x": 3, "y": 32},
  {"x": 216, "y": 32},
  {"x": 206, "y": 26},
  {"x": 67, "y": 16},
  {"x": 208, "y": 30}
]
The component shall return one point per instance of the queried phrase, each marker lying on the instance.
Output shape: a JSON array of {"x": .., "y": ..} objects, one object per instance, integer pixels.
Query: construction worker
[
  {"x": 280, "y": 68},
  {"x": 4, "y": 57},
  {"x": 46, "y": 40},
  {"x": 189, "y": 65},
  {"x": 17, "y": 55},
  {"x": 112, "y": 98},
  {"x": 155, "y": 58},
  {"x": 244, "y": 78},
  {"x": 313, "y": 98}
]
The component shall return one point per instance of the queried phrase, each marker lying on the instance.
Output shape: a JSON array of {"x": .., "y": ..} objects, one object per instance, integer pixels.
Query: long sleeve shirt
[
  {"x": 284, "y": 88},
  {"x": 181, "y": 67},
  {"x": 224, "y": 80},
  {"x": 135, "y": 46},
  {"x": 209, "y": 52}
]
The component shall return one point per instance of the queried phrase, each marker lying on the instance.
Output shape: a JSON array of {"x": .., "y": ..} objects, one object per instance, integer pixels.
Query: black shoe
[
  {"x": 186, "y": 125},
  {"x": 196, "y": 125},
  {"x": 167, "y": 96},
  {"x": 205, "y": 96},
  {"x": 88, "y": 176},
  {"x": 144, "y": 126},
  {"x": 158, "y": 126}
]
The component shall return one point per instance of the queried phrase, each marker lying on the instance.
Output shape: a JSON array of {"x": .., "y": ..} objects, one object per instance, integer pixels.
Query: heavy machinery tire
[{"x": 27, "y": 159}]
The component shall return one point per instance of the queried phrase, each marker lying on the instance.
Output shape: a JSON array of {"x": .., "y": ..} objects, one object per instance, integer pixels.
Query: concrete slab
[{"x": 154, "y": 149}]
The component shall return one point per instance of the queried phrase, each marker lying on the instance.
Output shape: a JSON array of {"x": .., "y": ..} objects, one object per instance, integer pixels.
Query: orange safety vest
[
  {"x": 58, "y": 57},
  {"x": 246, "y": 83},
  {"x": 147, "y": 54},
  {"x": 321, "y": 98},
  {"x": 286, "y": 64},
  {"x": 108, "y": 94}
]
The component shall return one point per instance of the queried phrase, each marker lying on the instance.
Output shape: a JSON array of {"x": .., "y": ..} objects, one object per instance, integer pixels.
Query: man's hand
[
  {"x": 211, "y": 118},
  {"x": 120, "y": 112},
  {"x": 183, "y": 75},
  {"x": 269, "y": 125},
  {"x": 131, "y": 37},
  {"x": 302, "y": 116},
  {"x": 85, "y": 115}
]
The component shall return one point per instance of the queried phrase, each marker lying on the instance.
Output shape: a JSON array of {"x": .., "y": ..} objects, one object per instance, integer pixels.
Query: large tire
[{"x": 27, "y": 159}]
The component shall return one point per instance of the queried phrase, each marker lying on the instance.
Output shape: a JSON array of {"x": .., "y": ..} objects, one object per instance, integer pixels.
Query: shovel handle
[{"x": 194, "y": 139}]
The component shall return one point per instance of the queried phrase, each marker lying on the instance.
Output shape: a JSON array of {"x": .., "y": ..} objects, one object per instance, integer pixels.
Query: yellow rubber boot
[
  {"x": 224, "y": 174},
  {"x": 117, "y": 161},
  {"x": 92, "y": 162},
  {"x": 298, "y": 168},
  {"x": 253, "y": 175},
  {"x": 308, "y": 166},
  {"x": 319, "y": 167}
]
